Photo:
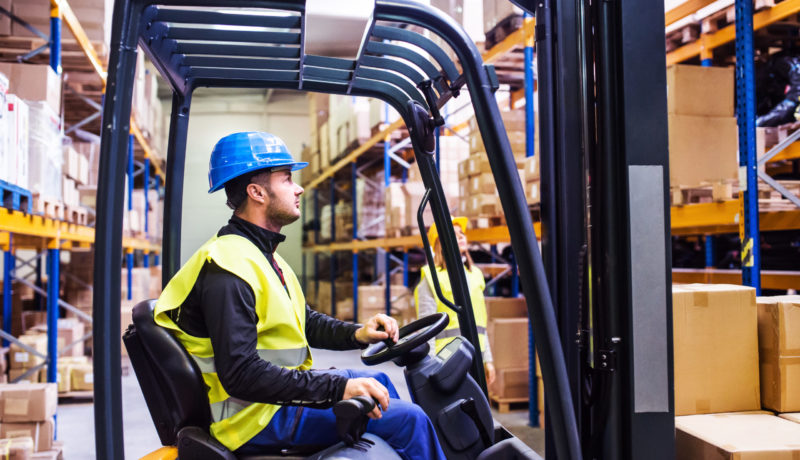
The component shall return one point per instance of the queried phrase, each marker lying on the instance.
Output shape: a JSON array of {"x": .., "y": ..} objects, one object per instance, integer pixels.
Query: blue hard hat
[{"x": 241, "y": 153}]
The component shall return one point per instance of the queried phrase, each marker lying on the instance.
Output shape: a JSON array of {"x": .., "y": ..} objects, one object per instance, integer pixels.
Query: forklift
[{"x": 597, "y": 292}]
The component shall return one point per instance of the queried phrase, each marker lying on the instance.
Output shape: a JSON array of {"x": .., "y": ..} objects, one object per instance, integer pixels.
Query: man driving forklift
[{"x": 238, "y": 309}]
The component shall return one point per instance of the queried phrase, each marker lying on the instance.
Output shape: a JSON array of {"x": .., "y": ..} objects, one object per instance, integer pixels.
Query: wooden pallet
[
  {"x": 487, "y": 221},
  {"x": 691, "y": 32},
  {"x": 682, "y": 36},
  {"x": 76, "y": 396},
  {"x": 48, "y": 207},
  {"x": 15, "y": 197},
  {"x": 506, "y": 405},
  {"x": 727, "y": 16},
  {"x": 76, "y": 215},
  {"x": 711, "y": 193},
  {"x": 502, "y": 30}
]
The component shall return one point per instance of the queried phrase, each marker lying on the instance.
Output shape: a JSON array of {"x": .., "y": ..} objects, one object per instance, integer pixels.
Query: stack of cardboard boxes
[
  {"x": 477, "y": 187},
  {"x": 30, "y": 141},
  {"x": 402, "y": 199},
  {"x": 372, "y": 300},
  {"x": 507, "y": 321},
  {"x": 337, "y": 123},
  {"x": 703, "y": 140},
  {"x": 719, "y": 390},
  {"x": 76, "y": 173},
  {"x": 22, "y": 361},
  {"x": 27, "y": 426},
  {"x": 94, "y": 16}
]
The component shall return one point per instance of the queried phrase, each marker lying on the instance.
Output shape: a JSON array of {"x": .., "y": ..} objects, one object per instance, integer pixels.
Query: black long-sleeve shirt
[{"x": 221, "y": 306}]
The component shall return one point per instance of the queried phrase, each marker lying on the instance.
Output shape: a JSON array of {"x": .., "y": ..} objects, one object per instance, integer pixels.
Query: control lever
[
  {"x": 351, "y": 418},
  {"x": 469, "y": 408}
]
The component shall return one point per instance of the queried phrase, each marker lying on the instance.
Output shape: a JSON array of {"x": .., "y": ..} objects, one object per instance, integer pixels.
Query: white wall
[{"x": 213, "y": 117}]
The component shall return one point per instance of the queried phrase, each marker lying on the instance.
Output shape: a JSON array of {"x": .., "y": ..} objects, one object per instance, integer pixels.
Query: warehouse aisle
[{"x": 75, "y": 423}]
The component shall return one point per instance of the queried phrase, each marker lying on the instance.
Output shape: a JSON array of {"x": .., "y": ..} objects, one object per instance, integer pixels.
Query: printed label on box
[
  {"x": 21, "y": 357},
  {"x": 88, "y": 378},
  {"x": 14, "y": 406}
]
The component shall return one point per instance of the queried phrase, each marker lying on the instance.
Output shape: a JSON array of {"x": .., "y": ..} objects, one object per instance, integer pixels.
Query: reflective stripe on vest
[
  {"x": 476, "y": 285},
  {"x": 284, "y": 358},
  {"x": 281, "y": 336}
]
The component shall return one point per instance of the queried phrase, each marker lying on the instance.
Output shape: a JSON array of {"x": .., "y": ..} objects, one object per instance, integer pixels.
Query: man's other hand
[
  {"x": 369, "y": 332},
  {"x": 371, "y": 388}
]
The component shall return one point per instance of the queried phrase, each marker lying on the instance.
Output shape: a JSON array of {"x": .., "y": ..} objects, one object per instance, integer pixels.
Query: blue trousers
[{"x": 404, "y": 426}]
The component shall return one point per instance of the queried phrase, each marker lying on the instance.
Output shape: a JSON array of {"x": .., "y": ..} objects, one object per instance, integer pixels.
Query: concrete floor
[{"x": 75, "y": 425}]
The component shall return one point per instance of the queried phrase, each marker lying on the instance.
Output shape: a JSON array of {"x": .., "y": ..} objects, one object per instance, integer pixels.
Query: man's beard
[{"x": 281, "y": 217}]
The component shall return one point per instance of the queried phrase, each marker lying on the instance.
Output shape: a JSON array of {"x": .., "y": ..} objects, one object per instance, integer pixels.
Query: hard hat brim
[{"x": 295, "y": 166}]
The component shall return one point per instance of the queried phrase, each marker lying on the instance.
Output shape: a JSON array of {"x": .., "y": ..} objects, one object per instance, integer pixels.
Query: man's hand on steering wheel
[{"x": 369, "y": 333}]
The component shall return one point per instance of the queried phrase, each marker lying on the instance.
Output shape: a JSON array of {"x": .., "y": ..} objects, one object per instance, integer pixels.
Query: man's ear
[{"x": 256, "y": 192}]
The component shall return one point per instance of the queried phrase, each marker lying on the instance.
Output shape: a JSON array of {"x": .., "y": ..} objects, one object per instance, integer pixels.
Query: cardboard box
[
  {"x": 511, "y": 383},
  {"x": 16, "y": 448},
  {"x": 4, "y": 155},
  {"x": 482, "y": 183},
  {"x": 736, "y": 436},
  {"x": 18, "y": 143},
  {"x": 14, "y": 376},
  {"x": 508, "y": 338},
  {"x": 505, "y": 307},
  {"x": 40, "y": 432},
  {"x": 63, "y": 380},
  {"x": 463, "y": 169},
  {"x": 484, "y": 205},
  {"x": 33, "y": 402},
  {"x": 71, "y": 330},
  {"x": 372, "y": 300},
  {"x": 82, "y": 377},
  {"x": 53, "y": 454},
  {"x": 5, "y": 21},
  {"x": 20, "y": 358},
  {"x": 715, "y": 342},
  {"x": 795, "y": 417},
  {"x": 478, "y": 164},
  {"x": 531, "y": 169},
  {"x": 702, "y": 149},
  {"x": 532, "y": 195},
  {"x": 697, "y": 90},
  {"x": 34, "y": 82},
  {"x": 779, "y": 352}
]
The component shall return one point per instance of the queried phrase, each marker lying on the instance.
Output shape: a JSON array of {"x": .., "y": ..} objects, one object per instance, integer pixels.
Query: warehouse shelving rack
[
  {"x": 48, "y": 237},
  {"x": 743, "y": 215}
]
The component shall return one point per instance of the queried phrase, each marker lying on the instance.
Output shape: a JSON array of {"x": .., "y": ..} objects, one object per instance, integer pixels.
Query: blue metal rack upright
[
  {"x": 748, "y": 173},
  {"x": 530, "y": 150}
]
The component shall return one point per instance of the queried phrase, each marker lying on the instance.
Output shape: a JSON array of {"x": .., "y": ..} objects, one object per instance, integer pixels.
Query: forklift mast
[{"x": 261, "y": 45}]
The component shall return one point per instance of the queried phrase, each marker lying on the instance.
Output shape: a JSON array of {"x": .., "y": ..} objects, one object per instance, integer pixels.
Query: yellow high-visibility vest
[
  {"x": 281, "y": 329},
  {"x": 476, "y": 286}
]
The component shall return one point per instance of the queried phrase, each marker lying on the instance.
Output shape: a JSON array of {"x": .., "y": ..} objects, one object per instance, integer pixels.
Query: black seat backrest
[{"x": 172, "y": 384}]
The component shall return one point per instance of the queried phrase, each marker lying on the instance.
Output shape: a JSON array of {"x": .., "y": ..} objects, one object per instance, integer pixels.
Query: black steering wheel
[{"x": 412, "y": 335}]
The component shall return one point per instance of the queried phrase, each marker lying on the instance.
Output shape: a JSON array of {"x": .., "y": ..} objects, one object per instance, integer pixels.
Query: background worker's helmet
[
  {"x": 241, "y": 153},
  {"x": 433, "y": 234}
]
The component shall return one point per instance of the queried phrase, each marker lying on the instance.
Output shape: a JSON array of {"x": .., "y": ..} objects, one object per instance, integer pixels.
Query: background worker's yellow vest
[
  {"x": 476, "y": 285},
  {"x": 281, "y": 329}
]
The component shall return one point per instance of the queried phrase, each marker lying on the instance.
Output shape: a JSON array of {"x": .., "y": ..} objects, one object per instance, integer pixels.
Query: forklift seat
[
  {"x": 176, "y": 397},
  {"x": 174, "y": 390}
]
